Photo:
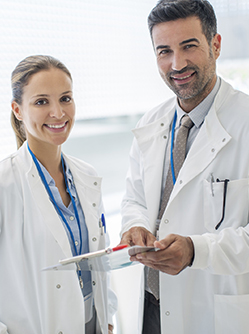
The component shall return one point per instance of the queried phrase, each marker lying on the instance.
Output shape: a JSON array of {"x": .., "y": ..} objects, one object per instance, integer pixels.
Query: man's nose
[{"x": 178, "y": 61}]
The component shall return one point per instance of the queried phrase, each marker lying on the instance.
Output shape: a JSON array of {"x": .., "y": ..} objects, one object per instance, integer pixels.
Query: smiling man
[
  {"x": 187, "y": 185},
  {"x": 186, "y": 60}
]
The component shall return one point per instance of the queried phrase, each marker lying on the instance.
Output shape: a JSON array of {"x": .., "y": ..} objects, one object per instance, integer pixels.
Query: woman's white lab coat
[
  {"x": 213, "y": 295},
  {"x": 32, "y": 237}
]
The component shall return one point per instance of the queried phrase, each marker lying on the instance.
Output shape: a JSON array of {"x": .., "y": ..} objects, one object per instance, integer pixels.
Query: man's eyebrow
[
  {"x": 162, "y": 47},
  {"x": 189, "y": 41},
  {"x": 182, "y": 43}
]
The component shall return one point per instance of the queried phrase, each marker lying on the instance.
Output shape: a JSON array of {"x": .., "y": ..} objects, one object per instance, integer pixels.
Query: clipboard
[{"x": 103, "y": 260}]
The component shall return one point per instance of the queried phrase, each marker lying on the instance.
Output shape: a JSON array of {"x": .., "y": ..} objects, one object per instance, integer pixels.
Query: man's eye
[
  {"x": 189, "y": 46},
  {"x": 164, "y": 52}
]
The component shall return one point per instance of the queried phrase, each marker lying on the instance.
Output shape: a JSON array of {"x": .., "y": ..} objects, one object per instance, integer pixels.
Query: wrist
[
  {"x": 192, "y": 252},
  {"x": 110, "y": 329}
]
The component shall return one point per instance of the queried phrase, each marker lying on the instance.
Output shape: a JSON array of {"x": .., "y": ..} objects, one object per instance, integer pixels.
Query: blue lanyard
[
  {"x": 171, "y": 149},
  {"x": 54, "y": 202}
]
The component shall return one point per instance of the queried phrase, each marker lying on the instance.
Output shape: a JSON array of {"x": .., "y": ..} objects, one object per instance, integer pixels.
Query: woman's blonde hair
[{"x": 20, "y": 78}]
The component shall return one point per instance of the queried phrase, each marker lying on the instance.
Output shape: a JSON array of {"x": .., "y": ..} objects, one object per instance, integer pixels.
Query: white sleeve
[
  {"x": 133, "y": 208},
  {"x": 226, "y": 253},
  {"x": 3, "y": 329}
]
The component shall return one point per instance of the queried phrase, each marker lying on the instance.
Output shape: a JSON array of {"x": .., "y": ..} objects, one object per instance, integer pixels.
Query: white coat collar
[{"x": 88, "y": 188}]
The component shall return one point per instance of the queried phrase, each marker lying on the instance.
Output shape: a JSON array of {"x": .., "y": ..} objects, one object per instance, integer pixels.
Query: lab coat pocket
[
  {"x": 225, "y": 205},
  {"x": 231, "y": 314}
]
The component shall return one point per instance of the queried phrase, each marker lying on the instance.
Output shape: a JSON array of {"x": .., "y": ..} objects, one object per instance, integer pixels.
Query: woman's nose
[{"x": 57, "y": 111}]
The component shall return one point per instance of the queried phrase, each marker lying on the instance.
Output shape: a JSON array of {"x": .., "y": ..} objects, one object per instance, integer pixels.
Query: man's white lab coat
[{"x": 213, "y": 295}]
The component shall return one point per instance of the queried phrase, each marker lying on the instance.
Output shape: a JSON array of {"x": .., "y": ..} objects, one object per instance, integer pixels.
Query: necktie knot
[{"x": 186, "y": 122}]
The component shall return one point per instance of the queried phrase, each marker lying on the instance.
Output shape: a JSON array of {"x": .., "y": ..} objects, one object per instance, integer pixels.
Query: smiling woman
[
  {"x": 47, "y": 109},
  {"x": 30, "y": 69},
  {"x": 57, "y": 201}
]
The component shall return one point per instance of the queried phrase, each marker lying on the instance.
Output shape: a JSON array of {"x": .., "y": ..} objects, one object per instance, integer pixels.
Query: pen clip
[{"x": 212, "y": 183}]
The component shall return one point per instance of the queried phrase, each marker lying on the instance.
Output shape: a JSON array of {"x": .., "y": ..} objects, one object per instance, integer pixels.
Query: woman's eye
[
  {"x": 41, "y": 102},
  {"x": 66, "y": 99}
]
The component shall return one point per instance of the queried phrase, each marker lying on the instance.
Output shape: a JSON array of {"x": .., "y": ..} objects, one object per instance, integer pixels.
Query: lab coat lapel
[
  {"x": 152, "y": 143},
  {"x": 211, "y": 139},
  {"x": 89, "y": 191},
  {"x": 47, "y": 210}
]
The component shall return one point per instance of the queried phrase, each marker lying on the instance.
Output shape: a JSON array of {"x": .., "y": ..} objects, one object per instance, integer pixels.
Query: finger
[
  {"x": 140, "y": 235},
  {"x": 166, "y": 242},
  {"x": 126, "y": 239},
  {"x": 139, "y": 238},
  {"x": 150, "y": 240}
]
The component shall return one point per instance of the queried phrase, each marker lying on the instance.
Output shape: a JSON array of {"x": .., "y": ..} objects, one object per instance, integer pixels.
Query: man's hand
[
  {"x": 175, "y": 254},
  {"x": 110, "y": 329},
  {"x": 138, "y": 236}
]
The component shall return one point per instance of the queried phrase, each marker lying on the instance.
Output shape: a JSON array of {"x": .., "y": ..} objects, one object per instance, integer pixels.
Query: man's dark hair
[{"x": 171, "y": 10}]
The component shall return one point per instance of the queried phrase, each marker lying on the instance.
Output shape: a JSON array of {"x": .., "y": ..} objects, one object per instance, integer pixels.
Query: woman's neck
[{"x": 49, "y": 156}]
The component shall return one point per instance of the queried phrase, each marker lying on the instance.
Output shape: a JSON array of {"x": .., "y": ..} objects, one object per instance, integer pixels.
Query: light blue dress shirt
[{"x": 70, "y": 217}]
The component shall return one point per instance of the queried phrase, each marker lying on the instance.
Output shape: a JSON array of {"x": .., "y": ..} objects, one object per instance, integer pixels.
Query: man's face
[{"x": 186, "y": 62}]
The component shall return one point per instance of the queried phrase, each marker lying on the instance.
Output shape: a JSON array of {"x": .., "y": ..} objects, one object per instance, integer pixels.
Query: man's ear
[
  {"x": 16, "y": 110},
  {"x": 217, "y": 45}
]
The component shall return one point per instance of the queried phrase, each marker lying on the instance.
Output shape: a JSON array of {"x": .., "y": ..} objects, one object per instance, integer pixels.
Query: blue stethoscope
[
  {"x": 171, "y": 149},
  {"x": 54, "y": 202}
]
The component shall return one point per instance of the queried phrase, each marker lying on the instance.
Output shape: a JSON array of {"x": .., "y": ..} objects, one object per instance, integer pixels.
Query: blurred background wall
[{"x": 107, "y": 48}]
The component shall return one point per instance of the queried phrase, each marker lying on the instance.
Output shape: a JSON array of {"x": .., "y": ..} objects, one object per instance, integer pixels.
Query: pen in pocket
[
  {"x": 212, "y": 183},
  {"x": 224, "y": 201}
]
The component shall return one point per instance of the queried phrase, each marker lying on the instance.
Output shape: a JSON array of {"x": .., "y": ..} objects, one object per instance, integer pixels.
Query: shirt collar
[
  {"x": 51, "y": 182},
  {"x": 199, "y": 113}
]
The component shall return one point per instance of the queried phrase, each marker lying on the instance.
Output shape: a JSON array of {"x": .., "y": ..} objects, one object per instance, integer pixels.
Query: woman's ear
[{"x": 16, "y": 110}]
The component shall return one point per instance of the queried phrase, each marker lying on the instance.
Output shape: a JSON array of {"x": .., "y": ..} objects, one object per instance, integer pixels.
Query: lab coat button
[
  {"x": 180, "y": 181},
  {"x": 165, "y": 137},
  {"x": 94, "y": 283},
  {"x": 94, "y": 204},
  {"x": 58, "y": 286},
  {"x": 166, "y": 221},
  {"x": 94, "y": 239},
  {"x": 167, "y": 313},
  {"x": 213, "y": 150},
  {"x": 162, "y": 124},
  {"x": 60, "y": 333},
  {"x": 95, "y": 183},
  {"x": 223, "y": 140},
  {"x": 71, "y": 218}
]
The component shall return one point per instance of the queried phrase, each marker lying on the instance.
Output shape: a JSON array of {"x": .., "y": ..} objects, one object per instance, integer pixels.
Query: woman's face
[{"x": 47, "y": 108}]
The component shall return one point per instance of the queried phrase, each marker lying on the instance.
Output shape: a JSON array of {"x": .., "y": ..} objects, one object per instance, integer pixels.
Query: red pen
[
  {"x": 114, "y": 249},
  {"x": 92, "y": 255}
]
